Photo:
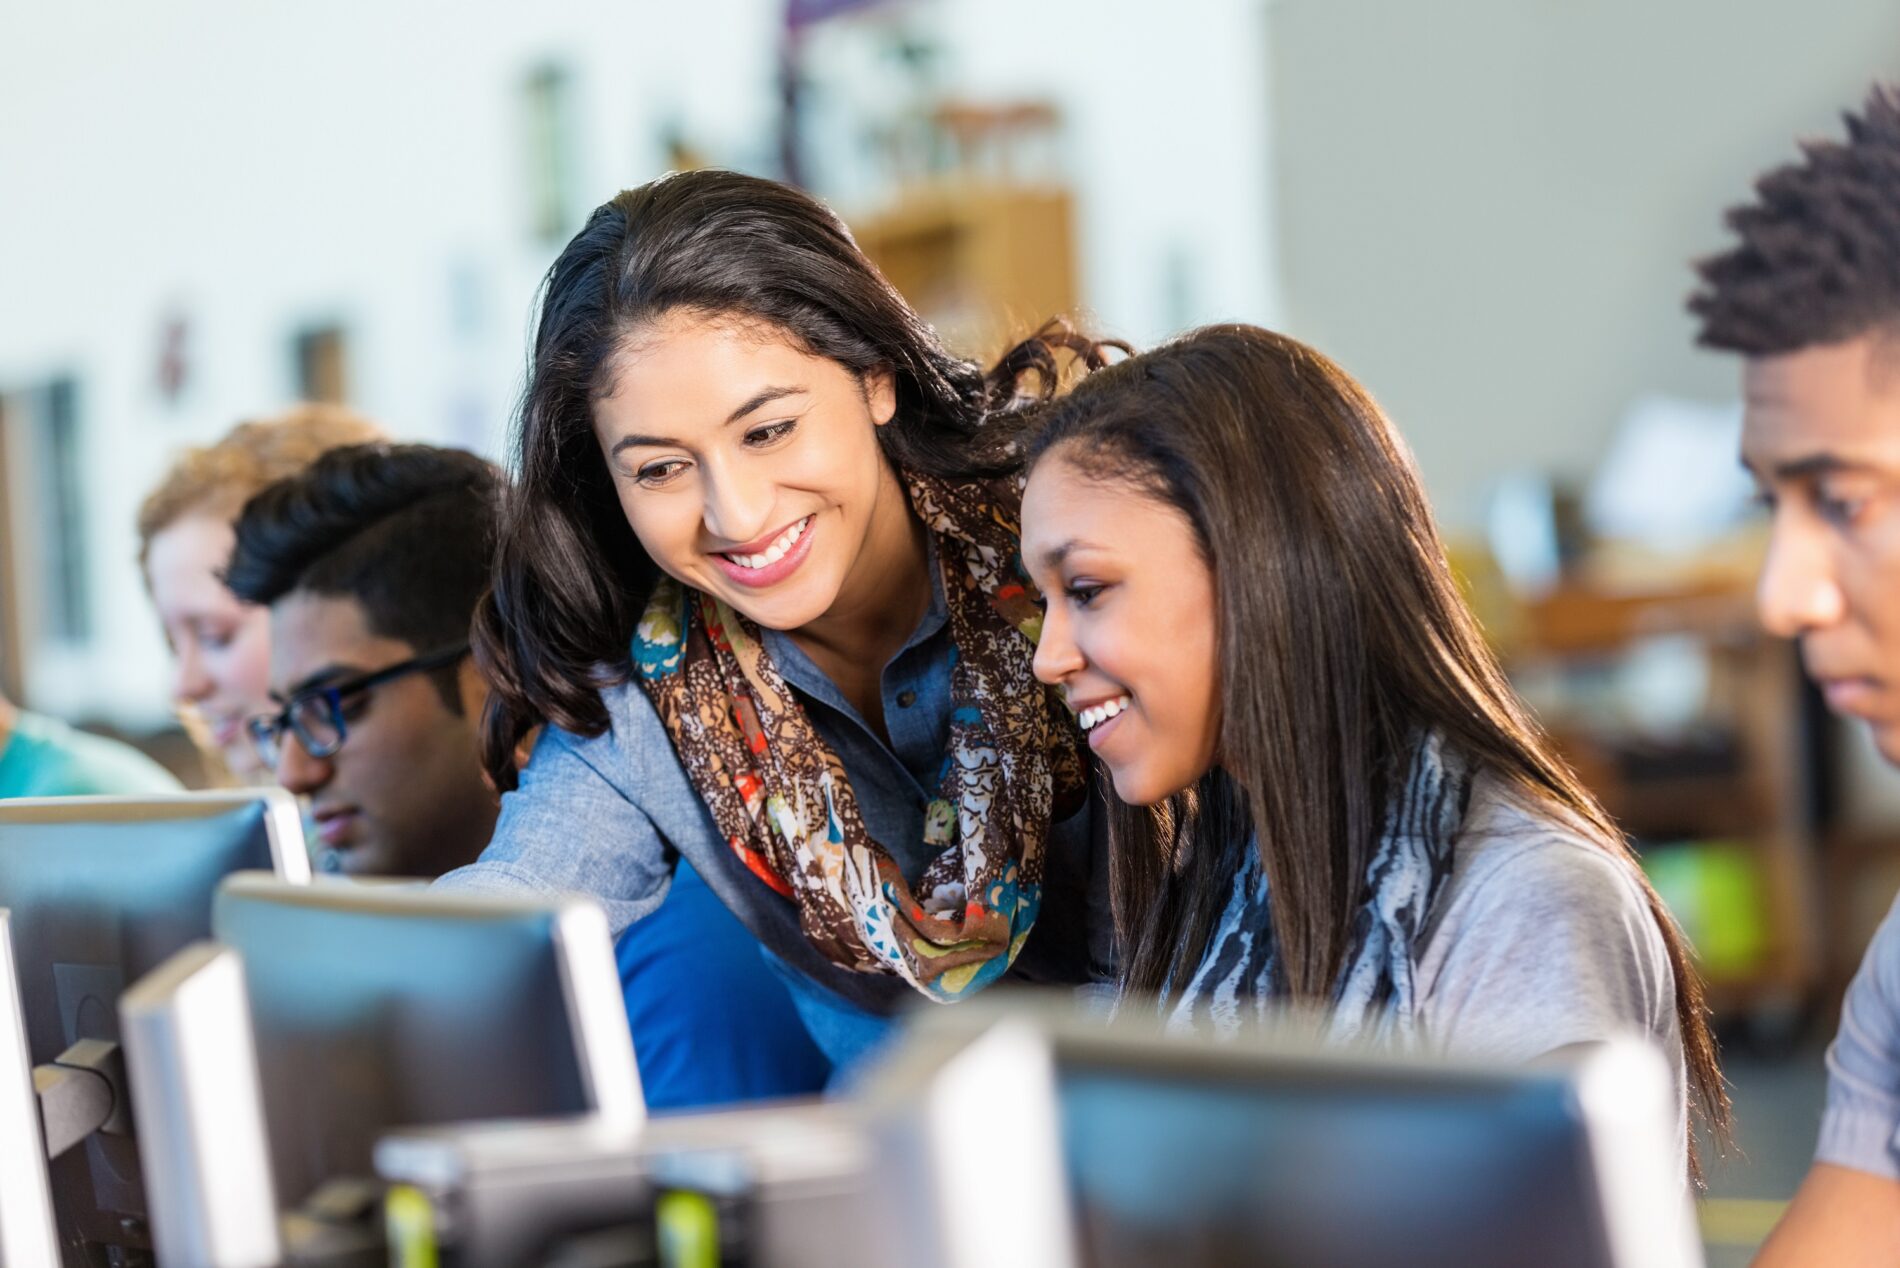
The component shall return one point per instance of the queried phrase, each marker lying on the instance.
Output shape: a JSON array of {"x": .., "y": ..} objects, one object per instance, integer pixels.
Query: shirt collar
[{"x": 798, "y": 668}]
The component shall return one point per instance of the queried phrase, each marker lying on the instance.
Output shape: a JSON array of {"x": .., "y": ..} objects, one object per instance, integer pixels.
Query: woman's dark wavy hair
[
  {"x": 570, "y": 578},
  {"x": 1342, "y": 637}
]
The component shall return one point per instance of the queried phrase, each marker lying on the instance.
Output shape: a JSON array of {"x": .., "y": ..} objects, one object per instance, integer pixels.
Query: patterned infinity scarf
[
  {"x": 784, "y": 803},
  {"x": 1239, "y": 975}
]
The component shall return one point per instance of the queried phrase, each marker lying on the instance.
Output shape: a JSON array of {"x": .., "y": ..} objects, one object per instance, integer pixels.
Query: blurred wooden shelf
[
  {"x": 1756, "y": 798},
  {"x": 982, "y": 262},
  {"x": 1573, "y": 620}
]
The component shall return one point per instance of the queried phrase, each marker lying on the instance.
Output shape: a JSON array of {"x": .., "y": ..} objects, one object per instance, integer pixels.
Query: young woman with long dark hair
[
  {"x": 1325, "y": 789},
  {"x": 758, "y": 583}
]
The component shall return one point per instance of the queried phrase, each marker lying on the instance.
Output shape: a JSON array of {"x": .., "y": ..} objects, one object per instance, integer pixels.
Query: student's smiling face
[
  {"x": 748, "y": 468},
  {"x": 220, "y": 647},
  {"x": 1821, "y": 435},
  {"x": 1129, "y": 628}
]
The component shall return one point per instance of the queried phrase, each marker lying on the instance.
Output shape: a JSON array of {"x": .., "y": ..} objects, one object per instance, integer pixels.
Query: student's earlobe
[{"x": 880, "y": 393}]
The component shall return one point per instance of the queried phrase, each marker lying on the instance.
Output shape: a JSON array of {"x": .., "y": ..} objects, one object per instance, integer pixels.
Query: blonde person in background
[{"x": 221, "y": 647}]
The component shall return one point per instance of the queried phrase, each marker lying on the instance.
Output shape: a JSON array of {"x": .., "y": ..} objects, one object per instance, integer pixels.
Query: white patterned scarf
[{"x": 1239, "y": 978}]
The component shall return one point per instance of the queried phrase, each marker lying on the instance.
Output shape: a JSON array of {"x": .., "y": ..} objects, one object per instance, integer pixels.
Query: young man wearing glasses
[
  {"x": 371, "y": 562},
  {"x": 1809, "y": 295}
]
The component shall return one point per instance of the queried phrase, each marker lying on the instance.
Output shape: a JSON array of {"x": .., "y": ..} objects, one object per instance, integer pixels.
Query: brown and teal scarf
[{"x": 784, "y": 802}]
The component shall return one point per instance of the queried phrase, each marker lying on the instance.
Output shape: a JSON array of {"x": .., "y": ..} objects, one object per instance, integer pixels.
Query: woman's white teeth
[
  {"x": 1093, "y": 717},
  {"x": 776, "y": 551}
]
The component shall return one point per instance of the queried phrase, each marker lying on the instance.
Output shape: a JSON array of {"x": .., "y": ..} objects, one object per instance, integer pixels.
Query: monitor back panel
[
  {"x": 1199, "y": 1170},
  {"x": 27, "y": 1237},
  {"x": 369, "y": 1017},
  {"x": 101, "y": 892}
]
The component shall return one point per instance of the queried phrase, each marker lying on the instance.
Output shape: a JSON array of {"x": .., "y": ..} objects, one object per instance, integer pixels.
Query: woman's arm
[{"x": 568, "y": 828}]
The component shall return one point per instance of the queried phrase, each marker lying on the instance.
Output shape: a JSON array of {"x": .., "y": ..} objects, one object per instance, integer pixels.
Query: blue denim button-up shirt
[{"x": 609, "y": 816}]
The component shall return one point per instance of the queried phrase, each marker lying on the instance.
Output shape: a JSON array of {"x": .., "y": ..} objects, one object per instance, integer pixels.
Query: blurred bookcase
[
  {"x": 981, "y": 262},
  {"x": 1691, "y": 725},
  {"x": 979, "y": 233}
]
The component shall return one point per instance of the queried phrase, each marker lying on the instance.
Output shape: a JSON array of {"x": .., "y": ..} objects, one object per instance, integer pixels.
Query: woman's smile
[
  {"x": 1099, "y": 720},
  {"x": 768, "y": 560}
]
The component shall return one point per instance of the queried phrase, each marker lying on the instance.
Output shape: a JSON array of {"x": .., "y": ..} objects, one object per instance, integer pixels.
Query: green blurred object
[
  {"x": 1716, "y": 891},
  {"x": 409, "y": 1221},
  {"x": 689, "y": 1230}
]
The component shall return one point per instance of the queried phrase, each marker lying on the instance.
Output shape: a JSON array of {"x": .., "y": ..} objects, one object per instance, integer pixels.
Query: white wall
[
  {"x": 261, "y": 164},
  {"x": 1487, "y": 206},
  {"x": 1166, "y": 109}
]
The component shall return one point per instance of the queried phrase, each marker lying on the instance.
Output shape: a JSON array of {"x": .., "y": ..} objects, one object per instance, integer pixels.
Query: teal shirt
[{"x": 46, "y": 758}]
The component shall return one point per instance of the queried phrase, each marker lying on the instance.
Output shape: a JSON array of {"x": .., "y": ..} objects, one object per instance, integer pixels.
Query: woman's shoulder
[
  {"x": 624, "y": 753},
  {"x": 1544, "y": 935},
  {"x": 632, "y": 723},
  {"x": 1511, "y": 840},
  {"x": 596, "y": 814},
  {"x": 1530, "y": 883}
]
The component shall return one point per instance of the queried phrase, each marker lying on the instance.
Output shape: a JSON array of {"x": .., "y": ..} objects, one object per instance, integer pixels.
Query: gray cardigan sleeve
[{"x": 1862, "y": 1118}]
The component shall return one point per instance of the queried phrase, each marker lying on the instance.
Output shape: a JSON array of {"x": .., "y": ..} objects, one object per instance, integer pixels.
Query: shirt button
[{"x": 905, "y": 699}]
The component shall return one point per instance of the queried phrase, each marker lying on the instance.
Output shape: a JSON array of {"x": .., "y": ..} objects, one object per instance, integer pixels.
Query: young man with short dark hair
[
  {"x": 1810, "y": 296},
  {"x": 371, "y": 562}
]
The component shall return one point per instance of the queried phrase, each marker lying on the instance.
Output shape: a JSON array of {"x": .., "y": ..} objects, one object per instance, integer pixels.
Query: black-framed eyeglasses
[{"x": 315, "y": 714}]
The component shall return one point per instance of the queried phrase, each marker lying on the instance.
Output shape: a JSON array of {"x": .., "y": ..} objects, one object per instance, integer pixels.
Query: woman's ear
[{"x": 880, "y": 393}]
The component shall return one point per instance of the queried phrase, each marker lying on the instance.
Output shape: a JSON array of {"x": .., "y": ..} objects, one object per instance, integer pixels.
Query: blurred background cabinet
[
  {"x": 1701, "y": 737},
  {"x": 981, "y": 264},
  {"x": 982, "y": 243}
]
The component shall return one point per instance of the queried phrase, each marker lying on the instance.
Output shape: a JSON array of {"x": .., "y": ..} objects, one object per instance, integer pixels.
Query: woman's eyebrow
[
  {"x": 1819, "y": 464},
  {"x": 1053, "y": 558},
  {"x": 635, "y": 441},
  {"x": 764, "y": 396}
]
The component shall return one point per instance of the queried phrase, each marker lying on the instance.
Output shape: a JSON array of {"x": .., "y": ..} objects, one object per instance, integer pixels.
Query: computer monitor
[
  {"x": 200, "y": 1112},
  {"x": 1275, "y": 1151},
  {"x": 101, "y": 890},
  {"x": 27, "y": 1239},
  {"x": 375, "y": 1008},
  {"x": 967, "y": 1169}
]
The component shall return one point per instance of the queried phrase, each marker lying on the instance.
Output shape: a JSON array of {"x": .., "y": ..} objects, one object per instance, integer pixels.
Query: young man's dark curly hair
[{"x": 1818, "y": 256}]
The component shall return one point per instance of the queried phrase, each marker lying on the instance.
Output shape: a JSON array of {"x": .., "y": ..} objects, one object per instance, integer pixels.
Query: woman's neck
[{"x": 884, "y": 595}]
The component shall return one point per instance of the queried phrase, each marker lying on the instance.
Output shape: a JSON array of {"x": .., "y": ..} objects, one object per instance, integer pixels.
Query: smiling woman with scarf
[{"x": 758, "y": 583}]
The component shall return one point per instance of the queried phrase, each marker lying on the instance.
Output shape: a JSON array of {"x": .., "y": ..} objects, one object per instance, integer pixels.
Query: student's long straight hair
[
  {"x": 1342, "y": 637},
  {"x": 570, "y": 577}
]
